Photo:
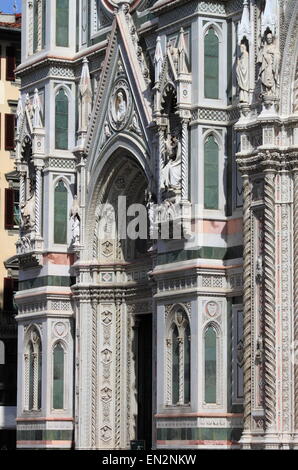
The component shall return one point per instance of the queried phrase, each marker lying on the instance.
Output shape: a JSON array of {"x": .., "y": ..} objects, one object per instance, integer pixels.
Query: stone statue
[
  {"x": 75, "y": 221},
  {"x": 171, "y": 172},
  {"x": 135, "y": 125},
  {"x": 107, "y": 131},
  {"x": 85, "y": 97},
  {"x": 120, "y": 106},
  {"x": 269, "y": 59},
  {"x": 243, "y": 74},
  {"x": 151, "y": 210},
  {"x": 28, "y": 214}
]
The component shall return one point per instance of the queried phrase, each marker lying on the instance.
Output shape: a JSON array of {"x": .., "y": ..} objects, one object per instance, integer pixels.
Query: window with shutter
[
  {"x": 8, "y": 294},
  {"x": 10, "y": 63},
  {"x": 9, "y": 208},
  {"x": 9, "y": 131}
]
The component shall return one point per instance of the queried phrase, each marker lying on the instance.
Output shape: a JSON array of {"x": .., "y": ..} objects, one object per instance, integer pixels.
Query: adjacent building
[
  {"x": 10, "y": 48},
  {"x": 184, "y": 340}
]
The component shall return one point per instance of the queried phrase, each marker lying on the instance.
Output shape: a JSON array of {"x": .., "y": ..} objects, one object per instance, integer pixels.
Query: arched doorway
[{"x": 118, "y": 337}]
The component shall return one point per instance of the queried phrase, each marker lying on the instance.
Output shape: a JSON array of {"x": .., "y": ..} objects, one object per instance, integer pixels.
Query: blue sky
[{"x": 6, "y": 6}]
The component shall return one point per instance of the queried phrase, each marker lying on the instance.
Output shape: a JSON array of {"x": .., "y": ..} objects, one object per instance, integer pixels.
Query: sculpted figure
[
  {"x": 171, "y": 172},
  {"x": 75, "y": 221},
  {"x": 243, "y": 74},
  {"x": 270, "y": 63},
  {"x": 28, "y": 214},
  {"x": 120, "y": 106}
]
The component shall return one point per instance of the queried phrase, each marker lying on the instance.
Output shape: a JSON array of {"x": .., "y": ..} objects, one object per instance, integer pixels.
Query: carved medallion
[
  {"x": 212, "y": 309},
  {"x": 106, "y": 317},
  {"x": 106, "y": 394},
  {"x": 60, "y": 329},
  {"x": 120, "y": 105}
]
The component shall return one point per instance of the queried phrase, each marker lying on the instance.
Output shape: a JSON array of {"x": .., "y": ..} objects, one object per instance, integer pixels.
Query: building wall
[
  {"x": 83, "y": 293},
  {"x": 9, "y": 95}
]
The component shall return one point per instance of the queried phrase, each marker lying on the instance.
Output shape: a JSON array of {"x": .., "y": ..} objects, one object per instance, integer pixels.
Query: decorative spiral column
[
  {"x": 181, "y": 371},
  {"x": 118, "y": 377},
  {"x": 35, "y": 380},
  {"x": 30, "y": 27},
  {"x": 247, "y": 301},
  {"x": 94, "y": 376},
  {"x": 38, "y": 195},
  {"x": 39, "y": 27},
  {"x": 26, "y": 381},
  {"x": 184, "y": 161},
  {"x": 294, "y": 352},
  {"x": 168, "y": 389},
  {"x": 22, "y": 188},
  {"x": 160, "y": 161},
  {"x": 269, "y": 305}
]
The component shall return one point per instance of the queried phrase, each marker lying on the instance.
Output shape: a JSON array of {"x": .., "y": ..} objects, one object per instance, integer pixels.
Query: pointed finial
[
  {"x": 182, "y": 68},
  {"x": 158, "y": 59},
  {"x": 269, "y": 17},
  {"x": 85, "y": 81},
  {"x": 181, "y": 41},
  {"x": 244, "y": 29}
]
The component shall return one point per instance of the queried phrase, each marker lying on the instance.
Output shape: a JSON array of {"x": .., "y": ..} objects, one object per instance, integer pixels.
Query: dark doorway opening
[{"x": 144, "y": 379}]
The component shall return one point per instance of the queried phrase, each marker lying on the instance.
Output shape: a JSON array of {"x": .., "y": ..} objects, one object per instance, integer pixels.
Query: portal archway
[{"x": 116, "y": 318}]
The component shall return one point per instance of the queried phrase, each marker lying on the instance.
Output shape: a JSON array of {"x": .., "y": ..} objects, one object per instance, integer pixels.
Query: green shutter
[
  {"x": 211, "y": 61},
  {"x": 211, "y": 173},
  {"x": 58, "y": 377},
  {"x": 175, "y": 366},
  {"x": 210, "y": 365},
  {"x": 60, "y": 214},
  {"x": 61, "y": 121},
  {"x": 62, "y": 23}
]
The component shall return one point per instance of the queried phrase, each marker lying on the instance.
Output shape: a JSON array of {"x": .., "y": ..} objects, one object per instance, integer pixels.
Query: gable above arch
[{"x": 123, "y": 100}]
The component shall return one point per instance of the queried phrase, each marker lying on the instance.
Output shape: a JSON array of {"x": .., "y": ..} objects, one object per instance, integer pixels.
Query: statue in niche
[
  {"x": 75, "y": 221},
  {"x": 120, "y": 106},
  {"x": 171, "y": 172},
  {"x": 243, "y": 73},
  {"x": 28, "y": 214},
  {"x": 269, "y": 58},
  {"x": 151, "y": 210}
]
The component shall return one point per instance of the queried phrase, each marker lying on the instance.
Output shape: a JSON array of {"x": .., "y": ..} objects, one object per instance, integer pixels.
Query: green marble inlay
[
  {"x": 45, "y": 435},
  {"x": 211, "y": 45},
  {"x": 205, "y": 252},
  {"x": 62, "y": 22},
  {"x": 199, "y": 434},
  {"x": 60, "y": 281},
  {"x": 211, "y": 173}
]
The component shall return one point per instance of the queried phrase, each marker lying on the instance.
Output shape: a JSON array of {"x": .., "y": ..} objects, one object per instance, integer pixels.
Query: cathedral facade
[{"x": 156, "y": 147}]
